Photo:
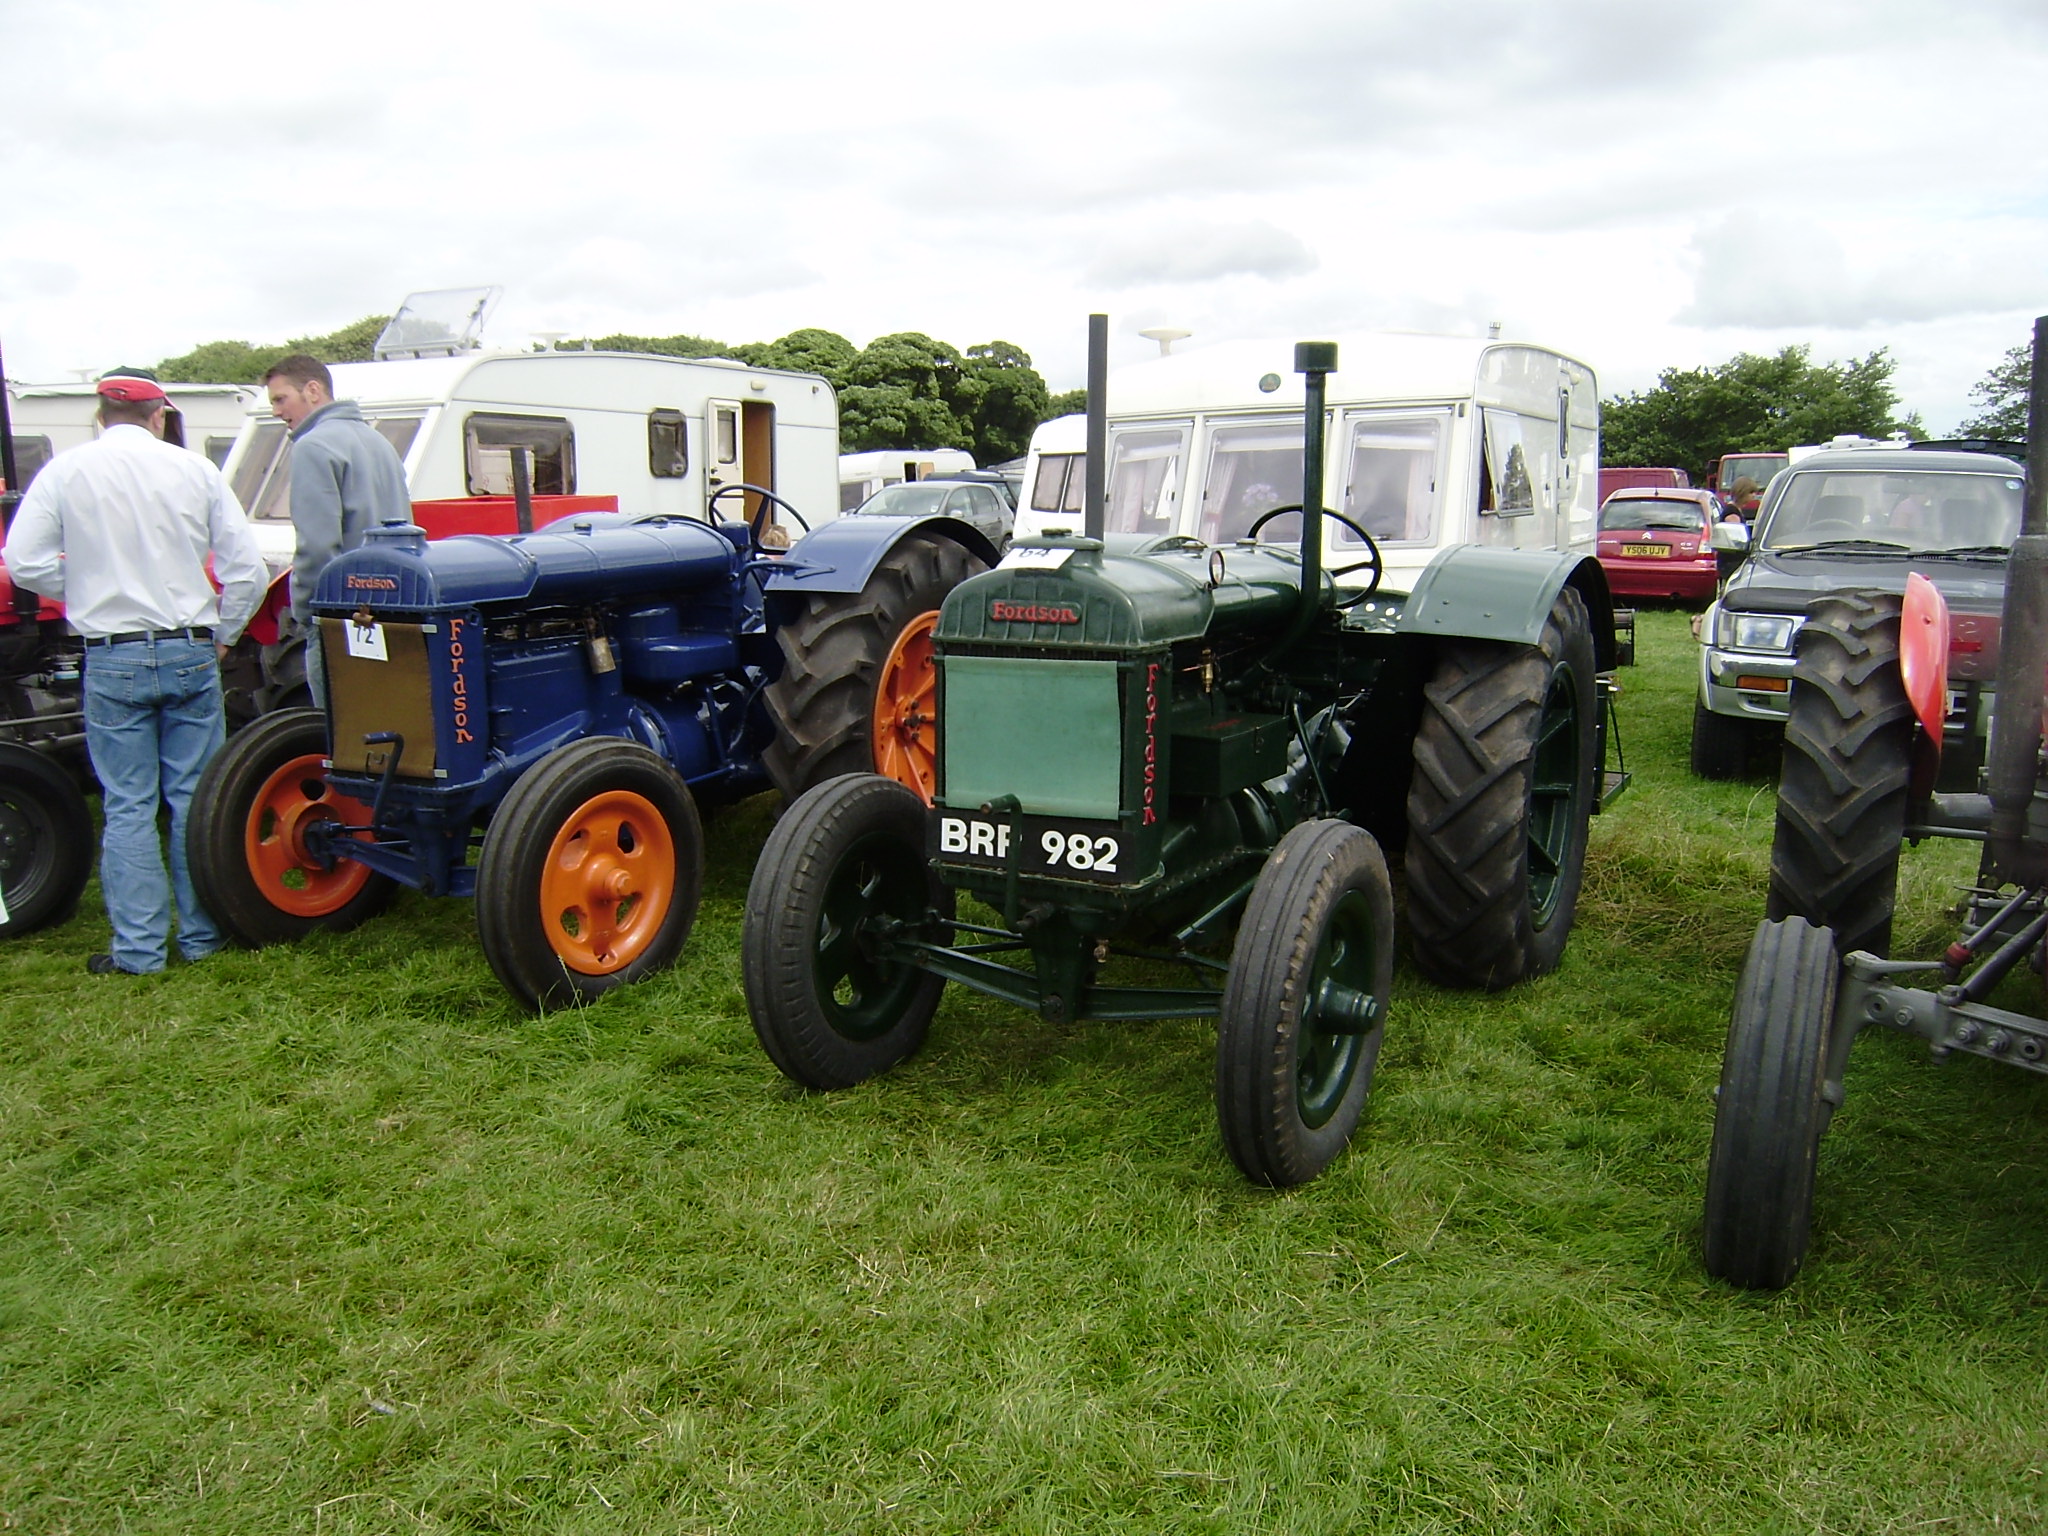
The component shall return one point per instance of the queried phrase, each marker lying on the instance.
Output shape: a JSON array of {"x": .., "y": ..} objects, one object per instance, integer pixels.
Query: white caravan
[
  {"x": 1433, "y": 440},
  {"x": 863, "y": 474},
  {"x": 660, "y": 434},
  {"x": 45, "y": 419}
]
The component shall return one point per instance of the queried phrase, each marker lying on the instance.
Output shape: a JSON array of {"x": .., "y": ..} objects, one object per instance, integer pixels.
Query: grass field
[{"x": 334, "y": 1240}]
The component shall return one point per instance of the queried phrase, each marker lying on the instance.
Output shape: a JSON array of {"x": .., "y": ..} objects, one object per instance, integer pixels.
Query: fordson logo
[
  {"x": 373, "y": 583},
  {"x": 1031, "y": 613}
]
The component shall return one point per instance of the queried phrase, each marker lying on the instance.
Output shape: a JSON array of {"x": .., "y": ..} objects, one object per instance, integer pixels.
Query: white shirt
[{"x": 119, "y": 529}]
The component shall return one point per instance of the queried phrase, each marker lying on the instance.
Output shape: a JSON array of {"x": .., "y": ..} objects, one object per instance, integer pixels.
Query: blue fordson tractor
[
  {"x": 1145, "y": 744},
  {"x": 534, "y": 720}
]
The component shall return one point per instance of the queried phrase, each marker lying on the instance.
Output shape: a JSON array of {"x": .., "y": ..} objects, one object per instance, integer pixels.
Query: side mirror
[{"x": 1729, "y": 538}]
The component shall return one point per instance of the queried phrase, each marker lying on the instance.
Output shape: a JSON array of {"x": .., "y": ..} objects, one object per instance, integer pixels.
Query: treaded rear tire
[
  {"x": 45, "y": 841},
  {"x": 833, "y": 651},
  {"x": 1315, "y": 948},
  {"x": 827, "y": 1011},
  {"x": 1848, "y": 760},
  {"x": 1768, "y": 1112},
  {"x": 1506, "y": 760}
]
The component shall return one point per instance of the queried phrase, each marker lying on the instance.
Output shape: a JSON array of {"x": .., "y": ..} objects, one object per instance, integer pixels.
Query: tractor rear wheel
[
  {"x": 1305, "y": 1007},
  {"x": 1848, "y": 758},
  {"x": 45, "y": 841},
  {"x": 844, "y": 861},
  {"x": 1769, "y": 1112},
  {"x": 856, "y": 691},
  {"x": 590, "y": 874},
  {"x": 1506, "y": 760},
  {"x": 246, "y": 837}
]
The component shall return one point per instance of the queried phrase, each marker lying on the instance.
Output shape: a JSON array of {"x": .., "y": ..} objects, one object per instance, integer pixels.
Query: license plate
[
  {"x": 1647, "y": 551},
  {"x": 1053, "y": 846}
]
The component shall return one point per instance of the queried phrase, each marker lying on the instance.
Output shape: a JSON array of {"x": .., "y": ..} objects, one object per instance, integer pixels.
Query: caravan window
[
  {"x": 1059, "y": 483},
  {"x": 1252, "y": 469},
  {"x": 1391, "y": 472},
  {"x": 668, "y": 445},
  {"x": 548, "y": 442},
  {"x": 1144, "y": 479},
  {"x": 1509, "y": 486},
  {"x": 263, "y": 480}
]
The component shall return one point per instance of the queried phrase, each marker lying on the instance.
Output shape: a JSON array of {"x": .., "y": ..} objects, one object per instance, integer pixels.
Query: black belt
[{"x": 191, "y": 632}]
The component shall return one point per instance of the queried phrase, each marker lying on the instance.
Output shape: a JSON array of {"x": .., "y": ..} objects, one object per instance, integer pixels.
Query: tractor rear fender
[
  {"x": 842, "y": 554},
  {"x": 1474, "y": 592}
]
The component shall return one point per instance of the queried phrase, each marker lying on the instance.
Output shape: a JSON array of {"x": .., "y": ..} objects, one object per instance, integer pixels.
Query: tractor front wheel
[
  {"x": 1848, "y": 760},
  {"x": 1506, "y": 759},
  {"x": 45, "y": 841},
  {"x": 1769, "y": 1112},
  {"x": 247, "y": 837},
  {"x": 590, "y": 873},
  {"x": 844, "y": 867},
  {"x": 856, "y": 693},
  {"x": 1305, "y": 1007}
]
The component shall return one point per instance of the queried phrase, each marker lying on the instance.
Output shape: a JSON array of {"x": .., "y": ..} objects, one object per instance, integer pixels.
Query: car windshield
[
  {"x": 1622, "y": 515},
  {"x": 1755, "y": 466},
  {"x": 1914, "y": 511},
  {"x": 912, "y": 498}
]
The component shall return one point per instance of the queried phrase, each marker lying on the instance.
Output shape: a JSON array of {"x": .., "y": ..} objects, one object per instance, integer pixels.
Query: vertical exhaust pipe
[
  {"x": 1093, "y": 519},
  {"x": 1316, "y": 361},
  {"x": 2014, "y": 768}
]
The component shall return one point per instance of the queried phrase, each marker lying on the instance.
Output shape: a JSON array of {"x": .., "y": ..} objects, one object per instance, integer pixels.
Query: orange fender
[{"x": 1923, "y": 653}]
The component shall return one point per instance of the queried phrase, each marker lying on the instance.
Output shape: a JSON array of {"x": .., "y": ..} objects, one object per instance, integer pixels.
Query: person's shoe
[{"x": 103, "y": 965}]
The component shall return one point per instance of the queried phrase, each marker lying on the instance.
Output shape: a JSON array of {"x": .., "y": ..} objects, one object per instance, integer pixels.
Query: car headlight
[{"x": 1754, "y": 631}]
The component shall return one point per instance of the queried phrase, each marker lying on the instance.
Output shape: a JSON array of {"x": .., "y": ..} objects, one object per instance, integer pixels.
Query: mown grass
[{"x": 334, "y": 1240}]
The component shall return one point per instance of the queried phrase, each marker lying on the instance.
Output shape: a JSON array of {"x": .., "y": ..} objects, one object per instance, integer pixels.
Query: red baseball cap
[{"x": 130, "y": 386}]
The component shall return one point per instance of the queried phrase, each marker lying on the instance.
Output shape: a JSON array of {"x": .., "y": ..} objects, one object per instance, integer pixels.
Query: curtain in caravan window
[
  {"x": 1510, "y": 471},
  {"x": 1390, "y": 479},
  {"x": 1252, "y": 469},
  {"x": 1144, "y": 479}
]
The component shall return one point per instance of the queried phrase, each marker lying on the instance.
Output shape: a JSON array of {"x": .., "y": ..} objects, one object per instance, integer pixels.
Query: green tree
[
  {"x": 242, "y": 362},
  {"x": 1068, "y": 402},
  {"x": 660, "y": 346},
  {"x": 1750, "y": 404},
  {"x": 826, "y": 353},
  {"x": 2001, "y": 396},
  {"x": 1004, "y": 397}
]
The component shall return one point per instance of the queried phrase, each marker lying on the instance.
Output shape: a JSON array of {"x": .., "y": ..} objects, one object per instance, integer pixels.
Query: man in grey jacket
[{"x": 346, "y": 479}]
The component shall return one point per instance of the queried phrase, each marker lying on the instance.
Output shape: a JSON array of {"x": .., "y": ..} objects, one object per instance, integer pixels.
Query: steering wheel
[
  {"x": 758, "y": 525},
  {"x": 1371, "y": 562}
]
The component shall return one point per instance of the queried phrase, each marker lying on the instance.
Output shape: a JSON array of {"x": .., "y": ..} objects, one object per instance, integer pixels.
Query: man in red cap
[{"x": 120, "y": 529}]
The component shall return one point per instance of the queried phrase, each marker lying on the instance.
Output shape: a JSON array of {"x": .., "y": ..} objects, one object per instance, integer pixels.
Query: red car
[{"x": 1653, "y": 542}]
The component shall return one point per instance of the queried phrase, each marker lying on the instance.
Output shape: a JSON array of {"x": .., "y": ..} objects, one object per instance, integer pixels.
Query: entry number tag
[
  {"x": 1033, "y": 558},
  {"x": 366, "y": 641}
]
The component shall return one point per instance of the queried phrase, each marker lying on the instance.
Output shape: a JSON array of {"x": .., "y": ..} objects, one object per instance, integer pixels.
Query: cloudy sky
[{"x": 1640, "y": 182}]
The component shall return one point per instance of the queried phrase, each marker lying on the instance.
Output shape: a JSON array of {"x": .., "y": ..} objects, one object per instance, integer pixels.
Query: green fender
[{"x": 1475, "y": 592}]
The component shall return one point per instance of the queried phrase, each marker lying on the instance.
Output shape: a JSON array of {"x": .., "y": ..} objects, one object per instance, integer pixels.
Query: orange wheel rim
[
  {"x": 291, "y": 802},
  {"x": 608, "y": 882},
  {"x": 906, "y": 710}
]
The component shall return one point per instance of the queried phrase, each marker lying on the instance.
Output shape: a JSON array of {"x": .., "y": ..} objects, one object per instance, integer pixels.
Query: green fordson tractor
[{"x": 1147, "y": 745}]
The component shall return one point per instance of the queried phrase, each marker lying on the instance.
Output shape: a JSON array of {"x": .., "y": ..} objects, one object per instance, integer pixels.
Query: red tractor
[{"x": 1869, "y": 701}]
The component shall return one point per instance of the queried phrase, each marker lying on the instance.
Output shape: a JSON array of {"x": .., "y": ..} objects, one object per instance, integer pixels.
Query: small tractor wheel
[
  {"x": 1848, "y": 758},
  {"x": 246, "y": 837},
  {"x": 1506, "y": 759},
  {"x": 1720, "y": 744},
  {"x": 855, "y": 695},
  {"x": 1305, "y": 1007},
  {"x": 1769, "y": 1113},
  {"x": 846, "y": 859},
  {"x": 45, "y": 841},
  {"x": 590, "y": 874}
]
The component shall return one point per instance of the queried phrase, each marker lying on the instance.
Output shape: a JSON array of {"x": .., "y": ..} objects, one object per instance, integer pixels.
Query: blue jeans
[{"x": 153, "y": 720}]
